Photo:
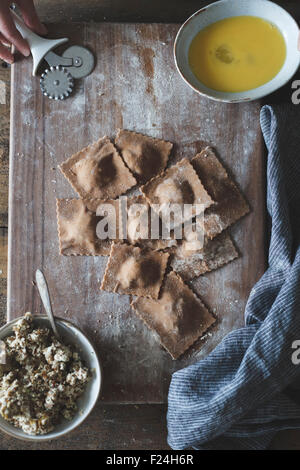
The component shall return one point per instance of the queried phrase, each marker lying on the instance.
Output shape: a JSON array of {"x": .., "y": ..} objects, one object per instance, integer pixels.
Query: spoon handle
[{"x": 44, "y": 293}]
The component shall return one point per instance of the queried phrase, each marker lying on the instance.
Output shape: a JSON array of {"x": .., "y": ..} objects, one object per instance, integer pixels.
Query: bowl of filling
[
  {"x": 235, "y": 51},
  {"x": 47, "y": 386}
]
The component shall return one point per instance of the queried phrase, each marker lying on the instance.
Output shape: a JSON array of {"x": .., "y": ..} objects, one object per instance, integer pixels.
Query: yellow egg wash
[{"x": 237, "y": 54}]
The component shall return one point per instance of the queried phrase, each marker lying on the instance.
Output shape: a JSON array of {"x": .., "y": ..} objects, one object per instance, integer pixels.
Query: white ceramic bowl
[
  {"x": 226, "y": 9},
  {"x": 73, "y": 336}
]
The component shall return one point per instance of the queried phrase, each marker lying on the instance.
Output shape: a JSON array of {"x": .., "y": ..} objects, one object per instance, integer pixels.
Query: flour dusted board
[{"x": 135, "y": 86}]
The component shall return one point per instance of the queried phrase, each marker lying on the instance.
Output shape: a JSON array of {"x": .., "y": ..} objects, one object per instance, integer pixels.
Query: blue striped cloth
[{"x": 240, "y": 395}]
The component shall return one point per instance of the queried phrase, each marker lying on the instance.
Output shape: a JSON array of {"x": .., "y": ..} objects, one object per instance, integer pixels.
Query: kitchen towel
[{"x": 242, "y": 393}]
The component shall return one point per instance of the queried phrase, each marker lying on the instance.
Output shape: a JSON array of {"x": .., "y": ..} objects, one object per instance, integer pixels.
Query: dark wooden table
[{"x": 116, "y": 426}]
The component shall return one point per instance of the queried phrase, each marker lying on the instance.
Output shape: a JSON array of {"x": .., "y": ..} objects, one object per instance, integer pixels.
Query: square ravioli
[
  {"x": 230, "y": 205},
  {"x": 77, "y": 222},
  {"x": 191, "y": 263},
  {"x": 179, "y": 317},
  {"x": 139, "y": 220},
  {"x": 132, "y": 270},
  {"x": 179, "y": 185},
  {"x": 145, "y": 156},
  {"x": 98, "y": 171}
]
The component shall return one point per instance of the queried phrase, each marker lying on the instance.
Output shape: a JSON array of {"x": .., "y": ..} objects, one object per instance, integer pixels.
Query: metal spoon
[{"x": 44, "y": 294}]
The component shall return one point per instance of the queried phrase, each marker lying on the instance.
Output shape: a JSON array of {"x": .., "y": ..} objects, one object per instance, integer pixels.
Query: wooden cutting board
[{"x": 134, "y": 86}]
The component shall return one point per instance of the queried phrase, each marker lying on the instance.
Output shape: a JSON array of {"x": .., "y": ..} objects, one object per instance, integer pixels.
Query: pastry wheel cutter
[{"x": 57, "y": 81}]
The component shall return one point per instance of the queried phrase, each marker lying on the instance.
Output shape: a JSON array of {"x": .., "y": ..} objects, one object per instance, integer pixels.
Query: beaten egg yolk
[{"x": 237, "y": 54}]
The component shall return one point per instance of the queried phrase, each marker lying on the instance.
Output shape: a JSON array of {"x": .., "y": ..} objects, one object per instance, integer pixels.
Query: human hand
[{"x": 8, "y": 32}]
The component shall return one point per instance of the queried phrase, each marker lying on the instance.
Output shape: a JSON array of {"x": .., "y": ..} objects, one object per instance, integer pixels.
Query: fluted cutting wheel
[{"x": 56, "y": 83}]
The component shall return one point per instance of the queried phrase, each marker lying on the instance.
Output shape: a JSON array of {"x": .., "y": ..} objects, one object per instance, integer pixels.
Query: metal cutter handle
[
  {"x": 31, "y": 37},
  {"x": 39, "y": 46}
]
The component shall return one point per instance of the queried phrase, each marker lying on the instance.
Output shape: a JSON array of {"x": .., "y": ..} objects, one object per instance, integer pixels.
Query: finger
[
  {"x": 30, "y": 16},
  {"x": 8, "y": 29},
  {"x": 4, "y": 41},
  {"x": 6, "y": 55}
]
